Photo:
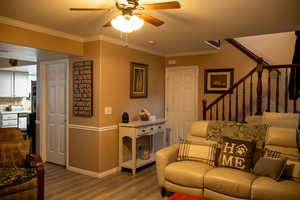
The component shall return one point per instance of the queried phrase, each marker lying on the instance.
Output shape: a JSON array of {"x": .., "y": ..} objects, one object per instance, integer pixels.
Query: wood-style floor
[{"x": 61, "y": 184}]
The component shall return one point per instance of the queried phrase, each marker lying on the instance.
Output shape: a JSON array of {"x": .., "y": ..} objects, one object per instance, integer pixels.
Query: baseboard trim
[{"x": 92, "y": 173}]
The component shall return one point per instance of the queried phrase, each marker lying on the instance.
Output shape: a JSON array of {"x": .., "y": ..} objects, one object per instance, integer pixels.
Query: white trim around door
[
  {"x": 196, "y": 88},
  {"x": 44, "y": 108}
]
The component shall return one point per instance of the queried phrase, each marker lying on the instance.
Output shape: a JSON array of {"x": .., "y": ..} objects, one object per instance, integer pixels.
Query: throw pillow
[
  {"x": 196, "y": 151},
  {"x": 237, "y": 154},
  {"x": 276, "y": 154},
  {"x": 271, "y": 167}
]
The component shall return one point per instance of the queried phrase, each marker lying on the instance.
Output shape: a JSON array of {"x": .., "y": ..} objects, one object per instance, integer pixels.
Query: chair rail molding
[{"x": 93, "y": 128}]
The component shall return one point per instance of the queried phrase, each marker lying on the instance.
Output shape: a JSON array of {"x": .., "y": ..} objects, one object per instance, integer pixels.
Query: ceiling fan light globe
[
  {"x": 121, "y": 24},
  {"x": 136, "y": 22}
]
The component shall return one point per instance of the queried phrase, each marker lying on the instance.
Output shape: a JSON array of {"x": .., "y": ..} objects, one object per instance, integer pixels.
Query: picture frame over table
[
  {"x": 218, "y": 80},
  {"x": 138, "y": 80}
]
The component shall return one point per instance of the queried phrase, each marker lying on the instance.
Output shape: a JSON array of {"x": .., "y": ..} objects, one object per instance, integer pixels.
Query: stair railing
[{"x": 259, "y": 69}]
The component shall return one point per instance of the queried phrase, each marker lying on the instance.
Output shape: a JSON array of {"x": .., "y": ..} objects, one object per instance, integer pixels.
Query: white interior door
[
  {"x": 56, "y": 115},
  {"x": 181, "y": 100}
]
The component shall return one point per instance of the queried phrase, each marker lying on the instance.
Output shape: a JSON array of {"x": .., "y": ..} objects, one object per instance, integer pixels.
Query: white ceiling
[{"x": 184, "y": 29}]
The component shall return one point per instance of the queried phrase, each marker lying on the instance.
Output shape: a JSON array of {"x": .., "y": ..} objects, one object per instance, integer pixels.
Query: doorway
[
  {"x": 54, "y": 112},
  {"x": 181, "y": 100}
]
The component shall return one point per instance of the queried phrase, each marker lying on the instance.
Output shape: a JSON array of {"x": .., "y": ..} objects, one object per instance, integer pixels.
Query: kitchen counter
[{"x": 15, "y": 112}]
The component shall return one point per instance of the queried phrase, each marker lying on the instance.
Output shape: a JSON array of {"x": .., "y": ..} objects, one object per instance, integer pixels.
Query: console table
[{"x": 155, "y": 131}]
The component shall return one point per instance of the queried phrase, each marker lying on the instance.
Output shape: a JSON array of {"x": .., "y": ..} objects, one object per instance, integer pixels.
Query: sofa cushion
[
  {"x": 187, "y": 173},
  {"x": 264, "y": 188},
  {"x": 199, "y": 128},
  {"x": 229, "y": 181},
  {"x": 285, "y": 137}
]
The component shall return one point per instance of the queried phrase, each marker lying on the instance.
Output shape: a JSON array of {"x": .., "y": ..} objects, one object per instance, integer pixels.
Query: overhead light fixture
[{"x": 127, "y": 23}]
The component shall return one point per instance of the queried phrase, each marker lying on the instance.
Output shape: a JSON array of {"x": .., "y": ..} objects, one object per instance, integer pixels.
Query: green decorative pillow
[
  {"x": 271, "y": 167},
  {"x": 196, "y": 151},
  {"x": 236, "y": 130},
  {"x": 237, "y": 154},
  {"x": 13, "y": 153}
]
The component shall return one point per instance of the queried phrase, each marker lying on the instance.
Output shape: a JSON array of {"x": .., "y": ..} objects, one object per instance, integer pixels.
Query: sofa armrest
[
  {"x": 39, "y": 165},
  {"x": 163, "y": 158}
]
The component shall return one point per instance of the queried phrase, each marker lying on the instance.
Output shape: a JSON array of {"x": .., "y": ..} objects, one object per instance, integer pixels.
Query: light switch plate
[{"x": 108, "y": 110}]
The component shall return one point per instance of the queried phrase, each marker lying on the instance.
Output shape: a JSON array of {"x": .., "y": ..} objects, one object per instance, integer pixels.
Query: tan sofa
[{"x": 221, "y": 183}]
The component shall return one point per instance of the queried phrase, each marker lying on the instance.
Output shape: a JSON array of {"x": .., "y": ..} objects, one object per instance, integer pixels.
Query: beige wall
[
  {"x": 115, "y": 81},
  {"x": 227, "y": 57},
  {"x": 19, "y": 36},
  {"x": 111, "y": 88}
]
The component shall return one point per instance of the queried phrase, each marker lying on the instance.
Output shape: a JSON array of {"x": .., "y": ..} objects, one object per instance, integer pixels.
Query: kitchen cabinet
[
  {"x": 6, "y": 83},
  {"x": 21, "y": 84},
  {"x": 13, "y": 84}
]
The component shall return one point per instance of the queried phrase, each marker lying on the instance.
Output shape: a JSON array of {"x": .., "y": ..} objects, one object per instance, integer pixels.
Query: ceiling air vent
[{"x": 214, "y": 43}]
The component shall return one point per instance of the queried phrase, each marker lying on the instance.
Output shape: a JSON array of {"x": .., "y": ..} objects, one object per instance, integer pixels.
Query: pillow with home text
[{"x": 237, "y": 154}]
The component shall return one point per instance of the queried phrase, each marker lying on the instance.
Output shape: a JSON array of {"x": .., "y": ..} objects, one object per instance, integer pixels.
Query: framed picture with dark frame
[
  {"x": 218, "y": 80},
  {"x": 138, "y": 80}
]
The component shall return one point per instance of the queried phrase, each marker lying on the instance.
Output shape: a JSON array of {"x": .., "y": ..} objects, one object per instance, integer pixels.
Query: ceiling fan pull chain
[{"x": 126, "y": 39}]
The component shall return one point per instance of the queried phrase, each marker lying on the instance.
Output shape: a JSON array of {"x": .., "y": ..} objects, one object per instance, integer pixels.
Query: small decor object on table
[
  {"x": 125, "y": 117},
  {"x": 144, "y": 115},
  {"x": 180, "y": 196},
  {"x": 218, "y": 80},
  {"x": 138, "y": 80},
  {"x": 83, "y": 88}
]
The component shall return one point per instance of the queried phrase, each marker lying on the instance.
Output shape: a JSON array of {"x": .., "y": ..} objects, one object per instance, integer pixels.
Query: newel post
[
  {"x": 204, "y": 109},
  {"x": 259, "y": 70}
]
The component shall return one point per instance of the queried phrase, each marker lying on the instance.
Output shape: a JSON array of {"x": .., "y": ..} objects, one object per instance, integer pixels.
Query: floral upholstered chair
[{"x": 21, "y": 174}]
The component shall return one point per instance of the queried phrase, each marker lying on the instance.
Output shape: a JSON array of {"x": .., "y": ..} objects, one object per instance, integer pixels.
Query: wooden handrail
[
  {"x": 259, "y": 69},
  {"x": 245, "y": 50},
  {"x": 230, "y": 90},
  {"x": 281, "y": 66}
]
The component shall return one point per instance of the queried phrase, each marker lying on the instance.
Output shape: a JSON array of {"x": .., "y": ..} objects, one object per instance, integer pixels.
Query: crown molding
[
  {"x": 193, "y": 53},
  {"x": 40, "y": 29},
  {"x": 122, "y": 43}
]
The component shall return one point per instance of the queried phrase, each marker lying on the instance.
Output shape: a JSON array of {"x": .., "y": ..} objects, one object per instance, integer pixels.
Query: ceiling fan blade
[
  {"x": 152, "y": 20},
  {"x": 162, "y": 6},
  {"x": 108, "y": 24},
  {"x": 88, "y": 9}
]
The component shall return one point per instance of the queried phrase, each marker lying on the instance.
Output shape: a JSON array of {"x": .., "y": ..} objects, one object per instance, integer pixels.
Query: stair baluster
[
  {"x": 229, "y": 111},
  {"x": 269, "y": 91},
  {"x": 251, "y": 95},
  {"x": 259, "y": 87},
  {"x": 277, "y": 91},
  {"x": 286, "y": 91},
  {"x": 237, "y": 104},
  {"x": 244, "y": 101}
]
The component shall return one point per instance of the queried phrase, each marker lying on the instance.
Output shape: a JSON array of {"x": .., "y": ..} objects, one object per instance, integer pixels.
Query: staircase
[{"x": 263, "y": 89}]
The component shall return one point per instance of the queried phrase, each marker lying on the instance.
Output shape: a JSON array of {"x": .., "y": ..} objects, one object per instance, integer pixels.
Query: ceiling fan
[{"x": 132, "y": 17}]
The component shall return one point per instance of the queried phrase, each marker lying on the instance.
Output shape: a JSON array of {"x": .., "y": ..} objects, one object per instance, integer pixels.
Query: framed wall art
[
  {"x": 138, "y": 80},
  {"x": 83, "y": 88},
  {"x": 218, "y": 80}
]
